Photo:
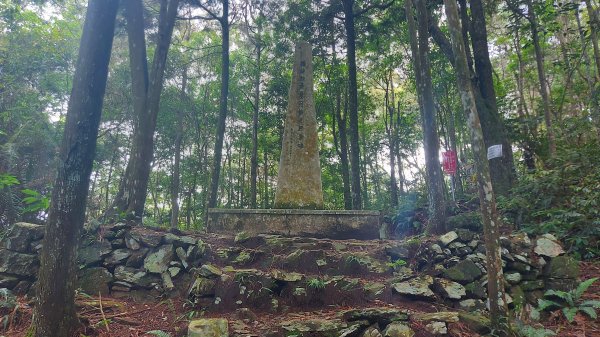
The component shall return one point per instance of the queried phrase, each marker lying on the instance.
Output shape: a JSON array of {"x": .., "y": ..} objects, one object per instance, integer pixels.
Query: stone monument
[
  {"x": 299, "y": 195},
  {"x": 299, "y": 180}
]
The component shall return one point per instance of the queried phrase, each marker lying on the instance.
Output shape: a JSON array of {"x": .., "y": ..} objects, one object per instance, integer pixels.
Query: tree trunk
[
  {"x": 420, "y": 51},
  {"x": 254, "y": 156},
  {"x": 353, "y": 102},
  {"x": 54, "y": 312},
  {"x": 391, "y": 141},
  {"x": 497, "y": 297},
  {"x": 494, "y": 131},
  {"x": 341, "y": 122},
  {"x": 131, "y": 197},
  {"x": 544, "y": 90},
  {"x": 220, "y": 134},
  {"x": 594, "y": 24},
  {"x": 176, "y": 162}
]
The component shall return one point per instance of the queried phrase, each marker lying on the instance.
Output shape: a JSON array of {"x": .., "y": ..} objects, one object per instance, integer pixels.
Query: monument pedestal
[
  {"x": 299, "y": 187},
  {"x": 340, "y": 225}
]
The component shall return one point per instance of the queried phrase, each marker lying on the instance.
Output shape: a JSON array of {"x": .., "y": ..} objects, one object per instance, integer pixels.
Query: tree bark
[
  {"x": 594, "y": 24},
  {"x": 55, "y": 312},
  {"x": 541, "y": 70},
  {"x": 131, "y": 197},
  {"x": 497, "y": 297},
  {"x": 494, "y": 131},
  {"x": 220, "y": 133},
  {"x": 175, "y": 179},
  {"x": 420, "y": 51},
  {"x": 348, "y": 7}
]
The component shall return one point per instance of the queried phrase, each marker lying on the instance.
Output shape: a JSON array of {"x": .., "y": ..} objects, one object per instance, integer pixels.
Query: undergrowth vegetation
[{"x": 562, "y": 198}]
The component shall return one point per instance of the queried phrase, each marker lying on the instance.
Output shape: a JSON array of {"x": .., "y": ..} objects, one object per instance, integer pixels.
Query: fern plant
[{"x": 570, "y": 301}]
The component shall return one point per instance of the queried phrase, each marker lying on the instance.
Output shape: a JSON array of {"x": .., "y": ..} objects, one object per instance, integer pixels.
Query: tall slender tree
[
  {"x": 419, "y": 42},
  {"x": 146, "y": 88},
  {"x": 54, "y": 313},
  {"x": 487, "y": 199}
]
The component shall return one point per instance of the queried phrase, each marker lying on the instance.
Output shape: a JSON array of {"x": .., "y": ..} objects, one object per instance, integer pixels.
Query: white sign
[{"x": 494, "y": 151}]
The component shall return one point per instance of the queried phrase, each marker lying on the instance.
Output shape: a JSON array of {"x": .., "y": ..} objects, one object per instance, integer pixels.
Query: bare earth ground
[{"x": 112, "y": 317}]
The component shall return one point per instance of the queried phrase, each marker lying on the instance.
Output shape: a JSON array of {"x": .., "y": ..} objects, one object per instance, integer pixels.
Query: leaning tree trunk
[
  {"x": 55, "y": 313},
  {"x": 131, "y": 197},
  {"x": 220, "y": 134},
  {"x": 544, "y": 89},
  {"x": 353, "y": 102},
  {"x": 420, "y": 51},
  {"x": 497, "y": 298}
]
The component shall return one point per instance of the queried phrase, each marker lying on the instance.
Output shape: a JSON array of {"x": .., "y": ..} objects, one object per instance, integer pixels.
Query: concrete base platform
[{"x": 341, "y": 225}]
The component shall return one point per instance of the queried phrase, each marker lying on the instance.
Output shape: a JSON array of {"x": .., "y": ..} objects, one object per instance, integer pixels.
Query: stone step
[{"x": 370, "y": 320}]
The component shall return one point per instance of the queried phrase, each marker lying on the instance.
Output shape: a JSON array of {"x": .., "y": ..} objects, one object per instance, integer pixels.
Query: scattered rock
[
  {"x": 447, "y": 238},
  {"x": 437, "y": 328},
  {"x": 158, "y": 261},
  {"x": 20, "y": 236},
  {"x": 94, "y": 280},
  {"x": 372, "y": 331},
  {"x": 92, "y": 254},
  {"x": 547, "y": 245},
  {"x": 135, "y": 277},
  {"x": 464, "y": 272},
  {"x": 7, "y": 299},
  {"x": 313, "y": 325},
  {"x": 286, "y": 276},
  {"x": 513, "y": 278},
  {"x": 20, "y": 264},
  {"x": 450, "y": 289},
  {"x": 209, "y": 271},
  {"x": 478, "y": 323},
  {"x": 398, "y": 329},
  {"x": 442, "y": 316},
  {"x": 373, "y": 315},
  {"x": 562, "y": 267},
  {"x": 208, "y": 327},
  {"x": 416, "y": 287},
  {"x": 118, "y": 256}
]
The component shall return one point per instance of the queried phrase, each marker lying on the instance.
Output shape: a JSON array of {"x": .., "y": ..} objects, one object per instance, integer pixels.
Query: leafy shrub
[{"x": 563, "y": 198}]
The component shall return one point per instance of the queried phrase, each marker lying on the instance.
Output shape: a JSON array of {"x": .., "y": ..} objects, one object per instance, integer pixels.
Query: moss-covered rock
[
  {"x": 464, "y": 272},
  {"x": 212, "y": 327}
]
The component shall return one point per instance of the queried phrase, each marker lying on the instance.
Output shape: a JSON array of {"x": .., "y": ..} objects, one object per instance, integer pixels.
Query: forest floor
[{"x": 126, "y": 317}]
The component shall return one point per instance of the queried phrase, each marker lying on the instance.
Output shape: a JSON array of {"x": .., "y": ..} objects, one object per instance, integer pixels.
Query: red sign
[{"x": 449, "y": 162}]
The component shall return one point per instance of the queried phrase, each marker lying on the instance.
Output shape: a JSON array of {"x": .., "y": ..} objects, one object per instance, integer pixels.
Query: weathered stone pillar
[{"x": 299, "y": 179}]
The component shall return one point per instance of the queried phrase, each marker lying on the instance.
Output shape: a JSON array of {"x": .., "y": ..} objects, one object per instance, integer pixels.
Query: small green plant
[
  {"x": 524, "y": 330},
  {"x": 397, "y": 264},
  {"x": 7, "y": 180},
  {"x": 353, "y": 259},
  {"x": 316, "y": 283},
  {"x": 158, "y": 333},
  {"x": 570, "y": 301}
]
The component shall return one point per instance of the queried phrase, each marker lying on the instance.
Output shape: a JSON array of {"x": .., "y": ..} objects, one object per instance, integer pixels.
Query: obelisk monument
[{"x": 299, "y": 180}]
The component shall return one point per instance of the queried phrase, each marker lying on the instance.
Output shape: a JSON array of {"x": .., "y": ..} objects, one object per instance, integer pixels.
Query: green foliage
[
  {"x": 570, "y": 302},
  {"x": 7, "y": 180},
  {"x": 563, "y": 199},
  {"x": 523, "y": 330},
  {"x": 397, "y": 264},
  {"x": 316, "y": 283},
  {"x": 34, "y": 201}
]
